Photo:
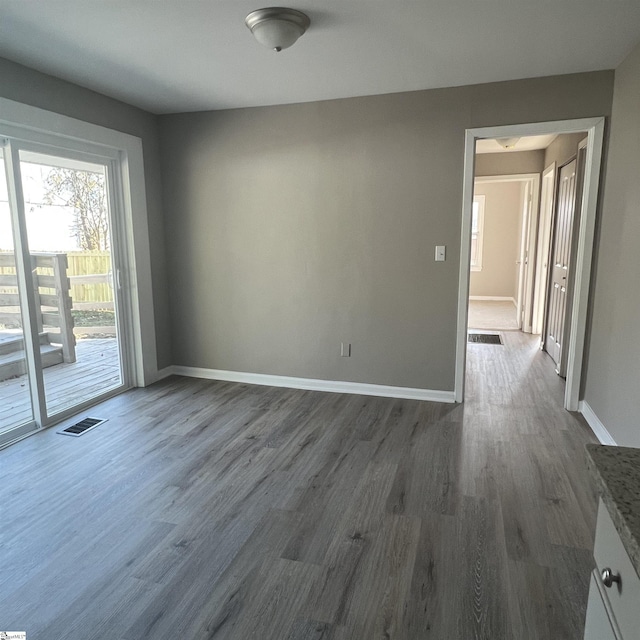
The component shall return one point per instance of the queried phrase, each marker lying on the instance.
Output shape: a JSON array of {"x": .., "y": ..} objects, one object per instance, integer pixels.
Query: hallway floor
[{"x": 492, "y": 314}]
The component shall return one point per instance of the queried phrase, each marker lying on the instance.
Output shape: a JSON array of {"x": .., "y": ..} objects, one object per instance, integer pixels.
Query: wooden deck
[{"x": 96, "y": 369}]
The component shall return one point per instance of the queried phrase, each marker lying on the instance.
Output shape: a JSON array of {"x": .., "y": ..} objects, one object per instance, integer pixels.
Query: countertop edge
[{"x": 627, "y": 536}]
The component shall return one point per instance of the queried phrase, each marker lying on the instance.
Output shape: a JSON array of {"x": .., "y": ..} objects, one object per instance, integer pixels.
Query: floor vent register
[
  {"x": 80, "y": 428},
  {"x": 485, "y": 338}
]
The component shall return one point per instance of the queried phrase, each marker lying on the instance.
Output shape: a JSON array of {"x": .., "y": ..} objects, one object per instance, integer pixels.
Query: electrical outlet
[{"x": 345, "y": 349}]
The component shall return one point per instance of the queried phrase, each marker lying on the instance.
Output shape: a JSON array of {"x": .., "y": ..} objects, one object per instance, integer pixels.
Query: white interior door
[
  {"x": 522, "y": 255},
  {"x": 528, "y": 251},
  {"x": 543, "y": 247},
  {"x": 561, "y": 252}
]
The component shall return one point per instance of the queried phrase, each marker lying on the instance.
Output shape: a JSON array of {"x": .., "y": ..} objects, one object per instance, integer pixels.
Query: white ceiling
[
  {"x": 188, "y": 55},
  {"x": 528, "y": 143}
]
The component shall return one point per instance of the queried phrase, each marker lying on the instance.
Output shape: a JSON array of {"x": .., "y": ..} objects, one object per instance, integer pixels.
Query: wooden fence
[
  {"x": 91, "y": 279},
  {"x": 51, "y": 285},
  {"x": 90, "y": 275}
]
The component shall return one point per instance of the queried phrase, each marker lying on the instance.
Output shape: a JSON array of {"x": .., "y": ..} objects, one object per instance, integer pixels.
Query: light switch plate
[{"x": 441, "y": 253}]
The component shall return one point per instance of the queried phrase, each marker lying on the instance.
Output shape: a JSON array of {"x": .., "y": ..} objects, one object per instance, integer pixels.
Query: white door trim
[
  {"x": 511, "y": 177},
  {"x": 543, "y": 246},
  {"x": 595, "y": 134},
  {"x": 529, "y": 214},
  {"x": 531, "y": 209}
]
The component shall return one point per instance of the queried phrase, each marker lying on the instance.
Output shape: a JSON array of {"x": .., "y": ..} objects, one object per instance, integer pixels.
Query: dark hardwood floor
[{"x": 211, "y": 510}]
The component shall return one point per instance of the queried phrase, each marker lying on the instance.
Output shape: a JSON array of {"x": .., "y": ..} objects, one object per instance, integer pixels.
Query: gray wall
[
  {"x": 562, "y": 149},
  {"x": 613, "y": 375},
  {"x": 46, "y": 92},
  {"x": 502, "y": 230},
  {"x": 294, "y": 228},
  {"x": 509, "y": 163}
]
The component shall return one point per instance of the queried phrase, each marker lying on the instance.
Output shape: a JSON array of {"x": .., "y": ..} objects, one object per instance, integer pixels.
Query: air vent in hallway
[
  {"x": 80, "y": 428},
  {"x": 484, "y": 338}
]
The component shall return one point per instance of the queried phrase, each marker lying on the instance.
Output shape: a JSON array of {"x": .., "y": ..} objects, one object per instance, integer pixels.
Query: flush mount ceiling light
[
  {"x": 276, "y": 27},
  {"x": 507, "y": 143}
]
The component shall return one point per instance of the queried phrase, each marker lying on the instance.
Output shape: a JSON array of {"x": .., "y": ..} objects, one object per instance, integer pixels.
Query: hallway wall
[
  {"x": 613, "y": 367},
  {"x": 502, "y": 229},
  {"x": 295, "y": 228}
]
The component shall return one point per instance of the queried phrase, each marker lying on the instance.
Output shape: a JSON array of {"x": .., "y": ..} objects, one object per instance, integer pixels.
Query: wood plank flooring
[{"x": 213, "y": 510}]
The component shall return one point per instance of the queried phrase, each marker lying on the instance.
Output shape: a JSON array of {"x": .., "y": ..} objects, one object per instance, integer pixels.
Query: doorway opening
[
  {"x": 527, "y": 238},
  {"x": 503, "y": 221}
]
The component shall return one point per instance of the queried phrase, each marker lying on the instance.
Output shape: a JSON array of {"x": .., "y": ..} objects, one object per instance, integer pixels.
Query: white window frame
[{"x": 479, "y": 240}]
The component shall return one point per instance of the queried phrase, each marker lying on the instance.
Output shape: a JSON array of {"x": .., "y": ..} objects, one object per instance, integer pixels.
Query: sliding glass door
[
  {"x": 61, "y": 319},
  {"x": 16, "y": 411}
]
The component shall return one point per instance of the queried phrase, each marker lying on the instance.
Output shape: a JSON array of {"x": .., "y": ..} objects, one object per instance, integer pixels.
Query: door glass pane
[
  {"x": 69, "y": 236},
  {"x": 15, "y": 395}
]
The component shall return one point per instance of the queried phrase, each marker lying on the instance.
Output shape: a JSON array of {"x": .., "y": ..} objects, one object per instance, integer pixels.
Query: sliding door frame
[
  {"x": 25, "y": 128},
  {"x": 23, "y": 268}
]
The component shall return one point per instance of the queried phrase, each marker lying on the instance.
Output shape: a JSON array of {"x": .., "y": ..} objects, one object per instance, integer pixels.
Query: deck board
[{"x": 96, "y": 368}]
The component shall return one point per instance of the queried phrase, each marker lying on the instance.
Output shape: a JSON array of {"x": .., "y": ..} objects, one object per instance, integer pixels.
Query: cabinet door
[
  {"x": 598, "y": 625},
  {"x": 624, "y": 597}
]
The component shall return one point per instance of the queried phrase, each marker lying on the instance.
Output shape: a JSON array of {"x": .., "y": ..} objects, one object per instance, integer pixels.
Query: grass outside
[{"x": 97, "y": 318}]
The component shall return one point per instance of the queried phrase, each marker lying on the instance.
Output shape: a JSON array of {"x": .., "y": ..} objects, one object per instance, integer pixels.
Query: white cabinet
[
  {"x": 599, "y": 625},
  {"x": 613, "y": 610}
]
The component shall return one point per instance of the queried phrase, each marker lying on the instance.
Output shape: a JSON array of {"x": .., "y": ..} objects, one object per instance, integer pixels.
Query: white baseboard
[
  {"x": 494, "y": 298},
  {"x": 164, "y": 373},
  {"x": 593, "y": 421},
  {"x": 357, "y": 388}
]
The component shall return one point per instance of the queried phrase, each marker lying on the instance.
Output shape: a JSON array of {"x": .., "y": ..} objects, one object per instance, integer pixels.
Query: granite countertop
[{"x": 616, "y": 472}]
